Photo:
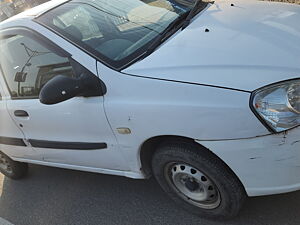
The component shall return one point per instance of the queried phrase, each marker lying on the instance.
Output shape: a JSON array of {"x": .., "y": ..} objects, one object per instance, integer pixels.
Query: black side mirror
[{"x": 61, "y": 88}]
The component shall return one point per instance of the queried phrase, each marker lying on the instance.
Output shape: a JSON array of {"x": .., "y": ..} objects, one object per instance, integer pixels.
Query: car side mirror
[{"x": 62, "y": 88}]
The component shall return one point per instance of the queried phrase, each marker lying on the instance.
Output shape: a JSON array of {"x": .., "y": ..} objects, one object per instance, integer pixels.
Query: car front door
[
  {"x": 11, "y": 137},
  {"x": 74, "y": 132}
]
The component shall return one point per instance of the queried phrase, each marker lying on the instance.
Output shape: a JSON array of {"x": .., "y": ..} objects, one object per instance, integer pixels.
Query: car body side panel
[{"x": 151, "y": 107}]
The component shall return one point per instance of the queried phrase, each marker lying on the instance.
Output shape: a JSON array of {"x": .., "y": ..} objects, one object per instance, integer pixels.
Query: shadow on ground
[{"x": 56, "y": 196}]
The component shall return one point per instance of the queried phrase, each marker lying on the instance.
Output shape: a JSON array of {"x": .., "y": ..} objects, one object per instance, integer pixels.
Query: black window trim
[{"x": 27, "y": 32}]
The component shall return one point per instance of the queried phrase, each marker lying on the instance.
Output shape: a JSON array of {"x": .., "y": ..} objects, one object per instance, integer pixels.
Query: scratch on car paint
[
  {"x": 283, "y": 139},
  {"x": 258, "y": 157},
  {"x": 295, "y": 142},
  {"x": 284, "y": 159},
  {"x": 235, "y": 139}
]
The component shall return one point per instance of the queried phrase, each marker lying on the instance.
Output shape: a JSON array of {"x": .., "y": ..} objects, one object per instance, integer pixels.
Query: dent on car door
[{"x": 74, "y": 132}]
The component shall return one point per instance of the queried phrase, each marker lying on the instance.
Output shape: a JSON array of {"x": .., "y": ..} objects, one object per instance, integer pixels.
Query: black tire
[
  {"x": 231, "y": 193},
  {"x": 16, "y": 170}
]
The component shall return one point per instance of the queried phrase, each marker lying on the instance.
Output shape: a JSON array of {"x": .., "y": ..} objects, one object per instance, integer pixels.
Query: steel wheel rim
[
  {"x": 192, "y": 185},
  {"x": 4, "y": 164}
]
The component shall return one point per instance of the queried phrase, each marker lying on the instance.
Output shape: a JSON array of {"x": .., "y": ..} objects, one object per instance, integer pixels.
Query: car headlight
[{"x": 278, "y": 105}]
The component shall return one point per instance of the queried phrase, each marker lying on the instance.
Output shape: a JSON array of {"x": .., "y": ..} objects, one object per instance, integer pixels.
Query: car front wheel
[{"x": 197, "y": 180}]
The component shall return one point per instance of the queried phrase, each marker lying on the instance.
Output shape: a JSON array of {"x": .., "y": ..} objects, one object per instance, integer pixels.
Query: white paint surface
[{"x": 250, "y": 45}]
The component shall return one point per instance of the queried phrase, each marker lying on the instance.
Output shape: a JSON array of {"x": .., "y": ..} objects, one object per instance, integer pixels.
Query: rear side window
[{"x": 27, "y": 66}]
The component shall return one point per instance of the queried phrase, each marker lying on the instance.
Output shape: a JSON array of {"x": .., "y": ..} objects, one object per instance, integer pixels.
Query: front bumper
[{"x": 265, "y": 165}]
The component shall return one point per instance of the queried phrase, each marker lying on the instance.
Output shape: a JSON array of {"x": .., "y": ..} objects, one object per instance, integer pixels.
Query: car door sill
[{"x": 130, "y": 174}]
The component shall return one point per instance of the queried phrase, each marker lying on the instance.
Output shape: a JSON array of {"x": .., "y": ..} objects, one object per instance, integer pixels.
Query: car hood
[{"x": 242, "y": 46}]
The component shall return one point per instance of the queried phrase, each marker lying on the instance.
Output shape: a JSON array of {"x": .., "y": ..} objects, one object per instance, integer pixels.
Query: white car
[{"x": 204, "y": 96}]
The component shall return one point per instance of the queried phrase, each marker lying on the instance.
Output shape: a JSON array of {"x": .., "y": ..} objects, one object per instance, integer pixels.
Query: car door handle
[{"x": 21, "y": 113}]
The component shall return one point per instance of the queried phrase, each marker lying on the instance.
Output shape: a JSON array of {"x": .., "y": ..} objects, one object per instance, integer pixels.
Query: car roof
[{"x": 33, "y": 12}]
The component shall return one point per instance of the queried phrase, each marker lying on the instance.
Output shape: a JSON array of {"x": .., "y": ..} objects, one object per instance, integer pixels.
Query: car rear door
[{"x": 75, "y": 132}]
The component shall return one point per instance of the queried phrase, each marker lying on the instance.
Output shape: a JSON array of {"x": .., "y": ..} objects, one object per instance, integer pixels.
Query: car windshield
[{"x": 115, "y": 31}]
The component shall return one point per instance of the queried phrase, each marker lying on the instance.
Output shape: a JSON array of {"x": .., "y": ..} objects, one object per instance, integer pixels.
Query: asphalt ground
[{"x": 51, "y": 196}]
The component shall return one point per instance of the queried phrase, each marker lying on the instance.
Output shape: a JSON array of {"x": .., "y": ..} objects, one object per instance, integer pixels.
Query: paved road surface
[{"x": 51, "y": 196}]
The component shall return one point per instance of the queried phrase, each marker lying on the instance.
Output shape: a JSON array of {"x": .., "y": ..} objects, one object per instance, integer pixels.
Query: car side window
[{"x": 27, "y": 66}]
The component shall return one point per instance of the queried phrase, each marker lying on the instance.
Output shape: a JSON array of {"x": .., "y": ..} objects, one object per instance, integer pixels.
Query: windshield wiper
[
  {"x": 192, "y": 12},
  {"x": 165, "y": 34},
  {"x": 183, "y": 20}
]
